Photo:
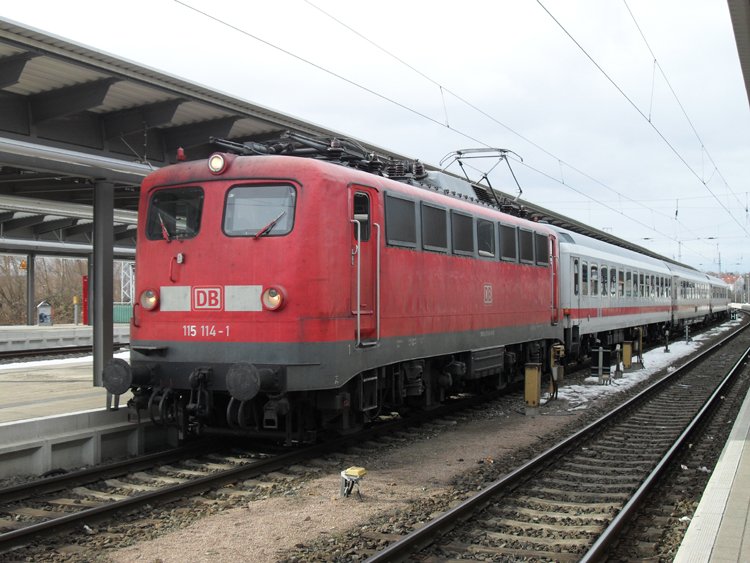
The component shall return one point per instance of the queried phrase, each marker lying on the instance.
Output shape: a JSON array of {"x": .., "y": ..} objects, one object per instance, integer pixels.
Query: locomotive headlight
[
  {"x": 149, "y": 299},
  {"x": 273, "y": 298},
  {"x": 217, "y": 163}
]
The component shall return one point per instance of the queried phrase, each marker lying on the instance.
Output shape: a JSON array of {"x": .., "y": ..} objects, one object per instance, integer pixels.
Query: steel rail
[
  {"x": 250, "y": 470},
  {"x": 610, "y": 534},
  {"x": 423, "y": 536}
]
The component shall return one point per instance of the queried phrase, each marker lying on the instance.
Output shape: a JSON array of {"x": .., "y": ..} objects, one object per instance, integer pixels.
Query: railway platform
[
  {"x": 34, "y": 337},
  {"x": 52, "y": 417},
  {"x": 720, "y": 529}
]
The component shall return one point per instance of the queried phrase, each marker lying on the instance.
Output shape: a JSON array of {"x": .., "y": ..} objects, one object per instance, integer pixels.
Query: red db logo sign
[{"x": 207, "y": 298}]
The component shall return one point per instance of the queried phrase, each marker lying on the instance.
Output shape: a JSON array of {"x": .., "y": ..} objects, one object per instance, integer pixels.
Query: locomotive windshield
[
  {"x": 259, "y": 210},
  {"x": 175, "y": 213}
]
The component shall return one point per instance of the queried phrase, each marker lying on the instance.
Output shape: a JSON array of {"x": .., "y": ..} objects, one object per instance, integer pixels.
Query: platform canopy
[
  {"x": 739, "y": 10},
  {"x": 72, "y": 117}
]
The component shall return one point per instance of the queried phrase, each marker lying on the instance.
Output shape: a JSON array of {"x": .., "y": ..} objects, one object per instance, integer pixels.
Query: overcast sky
[{"x": 569, "y": 85}]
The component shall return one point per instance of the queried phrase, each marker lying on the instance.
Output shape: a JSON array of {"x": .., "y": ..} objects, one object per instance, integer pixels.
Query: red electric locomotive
[
  {"x": 280, "y": 295},
  {"x": 300, "y": 286}
]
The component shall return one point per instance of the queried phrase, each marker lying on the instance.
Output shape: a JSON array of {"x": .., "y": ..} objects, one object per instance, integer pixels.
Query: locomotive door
[{"x": 365, "y": 273}]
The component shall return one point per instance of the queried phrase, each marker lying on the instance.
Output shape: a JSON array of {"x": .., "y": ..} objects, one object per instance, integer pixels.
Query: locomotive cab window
[
  {"x": 174, "y": 213},
  {"x": 259, "y": 210},
  {"x": 362, "y": 216}
]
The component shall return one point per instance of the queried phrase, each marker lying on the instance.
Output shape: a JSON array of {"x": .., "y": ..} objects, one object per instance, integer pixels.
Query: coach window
[
  {"x": 400, "y": 221},
  {"x": 594, "y": 273},
  {"x": 628, "y": 284},
  {"x": 255, "y": 211},
  {"x": 462, "y": 233},
  {"x": 486, "y": 238},
  {"x": 613, "y": 282},
  {"x": 576, "y": 276},
  {"x": 362, "y": 216},
  {"x": 584, "y": 279},
  {"x": 542, "y": 249},
  {"x": 434, "y": 228},
  {"x": 508, "y": 243},
  {"x": 605, "y": 279},
  {"x": 642, "y": 286},
  {"x": 621, "y": 283},
  {"x": 526, "y": 242}
]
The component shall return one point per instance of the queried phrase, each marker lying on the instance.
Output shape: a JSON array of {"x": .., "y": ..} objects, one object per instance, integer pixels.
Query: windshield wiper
[
  {"x": 164, "y": 231},
  {"x": 270, "y": 225}
]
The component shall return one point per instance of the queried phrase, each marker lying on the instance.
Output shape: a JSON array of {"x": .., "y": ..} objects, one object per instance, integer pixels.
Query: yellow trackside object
[{"x": 355, "y": 472}]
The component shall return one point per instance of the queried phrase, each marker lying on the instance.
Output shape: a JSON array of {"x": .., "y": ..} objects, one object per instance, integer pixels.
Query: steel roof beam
[
  {"x": 136, "y": 120},
  {"x": 61, "y": 208},
  {"x": 22, "y": 223},
  {"x": 74, "y": 163},
  {"x": 197, "y": 134},
  {"x": 54, "y": 225},
  {"x": 70, "y": 100},
  {"x": 12, "y": 67},
  {"x": 52, "y": 248}
]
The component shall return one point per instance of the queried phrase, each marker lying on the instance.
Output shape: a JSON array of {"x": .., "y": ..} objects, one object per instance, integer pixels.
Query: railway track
[
  {"x": 31, "y": 511},
  {"x": 571, "y": 502}
]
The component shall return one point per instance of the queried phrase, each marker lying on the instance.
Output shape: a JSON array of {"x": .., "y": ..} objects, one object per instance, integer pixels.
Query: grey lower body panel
[{"x": 320, "y": 365}]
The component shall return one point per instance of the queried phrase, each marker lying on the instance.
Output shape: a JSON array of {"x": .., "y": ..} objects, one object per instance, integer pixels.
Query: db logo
[
  {"x": 207, "y": 298},
  {"x": 488, "y": 293}
]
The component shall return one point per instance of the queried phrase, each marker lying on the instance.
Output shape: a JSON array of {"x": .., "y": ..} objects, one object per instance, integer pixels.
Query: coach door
[
  {"x": 554, "y": 272},
  {"x": 365, "y": 284}
]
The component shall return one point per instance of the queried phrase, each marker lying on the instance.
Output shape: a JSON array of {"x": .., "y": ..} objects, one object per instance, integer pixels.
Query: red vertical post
[{"x": 85, "y": 299}]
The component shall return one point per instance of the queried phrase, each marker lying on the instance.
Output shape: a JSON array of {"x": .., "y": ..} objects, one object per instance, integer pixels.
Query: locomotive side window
[
  {"x": 259, "y": 210},
  {"x": 526, "y": 240},
  {"x": 400, "y": 221},
  {"x": 542, "y": 249},
  {"x": 486, "y": 238},
  {"x": 362, "y": 214},
  {"x": 174, "y": 213},
  {"x": 462, "y": 233},
  {"x": 434, "y": 228},
  {"x": 508, "y": 243},
  {"x": 576, "y": 288}
]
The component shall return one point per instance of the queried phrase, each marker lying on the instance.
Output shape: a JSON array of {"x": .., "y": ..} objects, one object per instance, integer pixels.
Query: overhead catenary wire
[
  {"x": 423, "y": 115},
  {"x": 444, "y": 89},
  {"x": 643, "y": 115},
  {"x": 681, "y": 106}
]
